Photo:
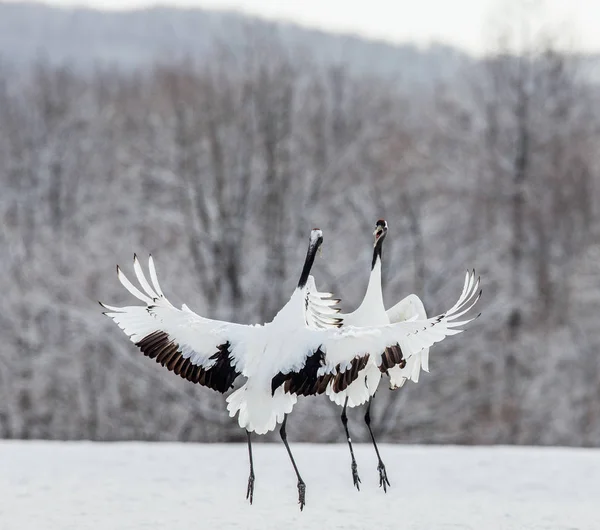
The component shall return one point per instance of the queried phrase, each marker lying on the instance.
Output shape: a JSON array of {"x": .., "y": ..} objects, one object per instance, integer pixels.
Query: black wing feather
[
  {"x": 306, "y": 382},
  {"x": 220, "y": 376}
]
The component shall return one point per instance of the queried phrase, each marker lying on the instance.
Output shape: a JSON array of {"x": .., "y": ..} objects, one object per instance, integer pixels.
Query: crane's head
[
  {"x": 380, "y": 231},
  {"x": 316, "y": 238}
]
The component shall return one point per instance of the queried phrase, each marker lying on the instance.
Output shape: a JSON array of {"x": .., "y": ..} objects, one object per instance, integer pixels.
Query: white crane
[
  {"x": 372, "y": 312},
  {"x": 212, "y": 353},
  {"x": 280, "y": 360}
]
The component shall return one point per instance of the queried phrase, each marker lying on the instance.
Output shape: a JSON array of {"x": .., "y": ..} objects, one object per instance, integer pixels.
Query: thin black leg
[
  {"x": 355, "y": 476},
  {"x": 301, "y": 485},
  {"x": 383, "y": 480},
  {"x": 250, "y": 490}
]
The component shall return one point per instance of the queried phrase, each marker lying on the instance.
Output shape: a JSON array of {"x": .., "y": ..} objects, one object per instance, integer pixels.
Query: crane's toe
[
  {"x": 301, "y": 494},
  {"x": 355, "y": 476},
  {"x": 383, "y": 480}
]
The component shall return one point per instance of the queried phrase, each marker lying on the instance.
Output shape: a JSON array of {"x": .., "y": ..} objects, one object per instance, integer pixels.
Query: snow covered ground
[{"x": 56, "y": 485}]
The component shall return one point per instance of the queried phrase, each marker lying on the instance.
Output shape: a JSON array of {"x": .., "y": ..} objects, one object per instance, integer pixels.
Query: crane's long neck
[
  {"x": 308, "y": 263},
  {"x": 377, "y": 250},
  {"x": 374, "y": 295}
]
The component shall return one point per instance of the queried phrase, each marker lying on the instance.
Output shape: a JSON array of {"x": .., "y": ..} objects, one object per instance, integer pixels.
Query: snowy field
[{"x": 55, "y": 485}]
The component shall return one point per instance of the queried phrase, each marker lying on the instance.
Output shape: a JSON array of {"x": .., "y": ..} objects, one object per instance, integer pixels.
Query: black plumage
[{"x": 220, "y": 376}]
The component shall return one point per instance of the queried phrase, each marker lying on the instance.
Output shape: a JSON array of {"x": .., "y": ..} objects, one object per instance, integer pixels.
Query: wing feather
[
  {"x": 153, "y": 277},
  {"x": 142, "y": 278},
  {"x": 132, "y": 288},
  {"x": 201, "y": 350},
  {"x": 408, "y": 308},
  {"x": 340, "y": 351},
  {"x": 320, "y": 307}
]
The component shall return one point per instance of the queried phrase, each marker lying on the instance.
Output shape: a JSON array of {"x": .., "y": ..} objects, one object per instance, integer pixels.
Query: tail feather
[
  {"x": 257, "y": 410},
  {"x": 360, "y": 390},
  {"x": 412, "y": 369}
]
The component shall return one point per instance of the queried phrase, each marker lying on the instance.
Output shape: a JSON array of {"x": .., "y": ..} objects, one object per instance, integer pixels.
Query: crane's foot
[
  {"x": 250, "y": 490},
  {"x": 301, "y": 494},
  {"x": 383, "y": 480},
  {"x": 355, "y": 476}
]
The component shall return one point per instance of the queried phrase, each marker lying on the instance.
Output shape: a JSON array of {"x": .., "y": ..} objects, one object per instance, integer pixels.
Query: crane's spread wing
[
  {"x": 201, "y": 350},
  {"x": 406, "y": 309},
  {"x": 337, "y": 356},
  {"x": 320, "y": 308}
]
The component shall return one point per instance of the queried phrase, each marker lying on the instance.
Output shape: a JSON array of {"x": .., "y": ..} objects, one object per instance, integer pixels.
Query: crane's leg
[
  {"x": 301, "y": 485},
  {"x": 355, "y": 476},
  {"x": 383, "y": 480},
  {"x": 250, "y": 490}
]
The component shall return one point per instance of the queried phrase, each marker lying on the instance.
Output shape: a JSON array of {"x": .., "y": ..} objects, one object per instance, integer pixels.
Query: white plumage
[
  {"x": 408, "y": 308},
  {"x": 340, "y": 350},
  {"x": 281, "y": 359},
  {"x": 193, "y": 346},
  {"x": 283, "y": 346}
]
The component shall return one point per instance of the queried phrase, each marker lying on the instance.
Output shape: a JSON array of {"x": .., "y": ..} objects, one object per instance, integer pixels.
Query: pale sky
[{"x": 463, "y": 23}]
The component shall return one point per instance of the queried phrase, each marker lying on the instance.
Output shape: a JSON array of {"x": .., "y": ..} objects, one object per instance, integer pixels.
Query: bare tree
[{"x": 221, "y": 167}]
